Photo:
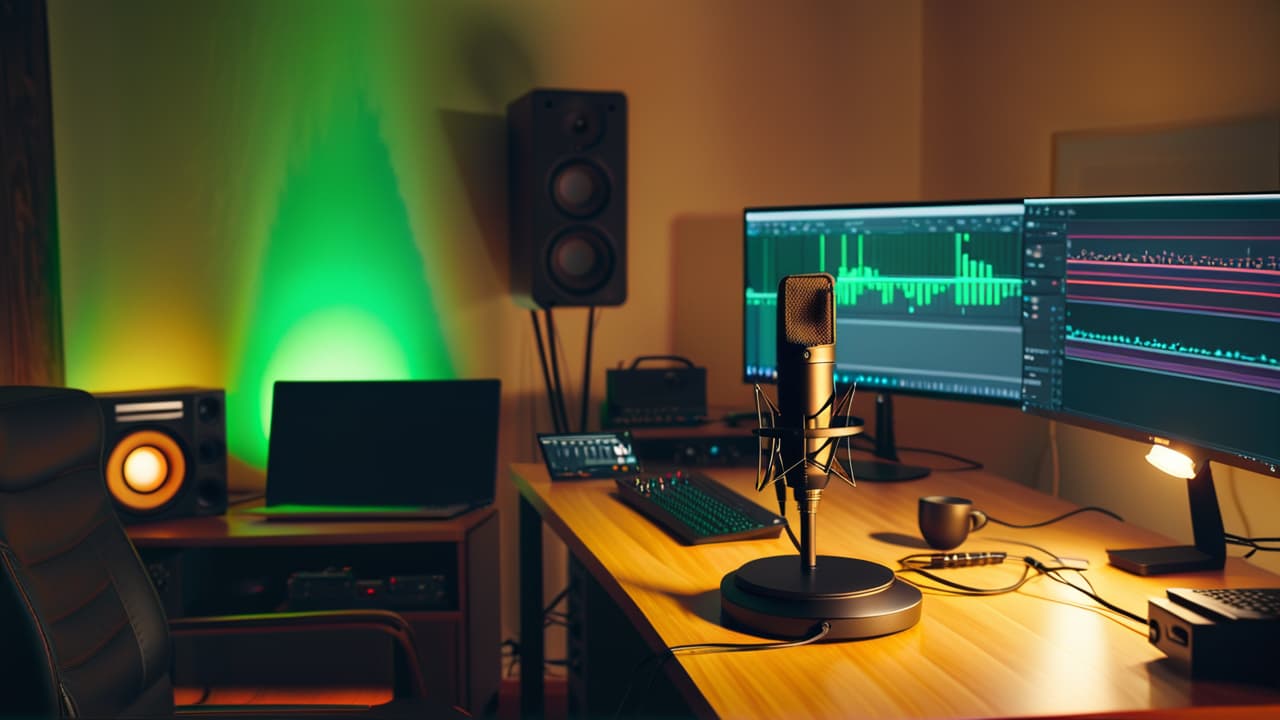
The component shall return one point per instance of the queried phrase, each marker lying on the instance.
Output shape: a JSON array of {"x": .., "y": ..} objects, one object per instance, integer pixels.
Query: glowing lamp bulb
[
  {"x": 1172, "y": 462},
  {"x": 145, "y": 469}
]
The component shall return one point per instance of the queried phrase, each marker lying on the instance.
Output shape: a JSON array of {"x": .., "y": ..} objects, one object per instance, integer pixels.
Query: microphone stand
[{"x": 776, "y": 597}]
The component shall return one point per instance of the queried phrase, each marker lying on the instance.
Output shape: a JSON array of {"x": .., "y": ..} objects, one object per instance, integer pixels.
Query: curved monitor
[
  {"x": 1158, "y": 318},
  {"x": 928, "y": 295}
]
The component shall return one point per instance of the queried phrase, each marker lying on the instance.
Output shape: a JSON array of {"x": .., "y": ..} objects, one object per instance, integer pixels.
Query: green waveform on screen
[{"x": 973, "y": 284}]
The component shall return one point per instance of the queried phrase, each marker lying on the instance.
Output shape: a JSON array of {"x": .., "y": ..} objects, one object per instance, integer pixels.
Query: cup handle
[{"x": 977, "y": 520}]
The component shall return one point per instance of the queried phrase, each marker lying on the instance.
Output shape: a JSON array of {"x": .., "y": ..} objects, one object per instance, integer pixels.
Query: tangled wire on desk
[{"x": 923, "y": 564}]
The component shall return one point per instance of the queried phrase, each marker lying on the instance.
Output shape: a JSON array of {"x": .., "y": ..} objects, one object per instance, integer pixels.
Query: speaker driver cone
[
  {"x": 579, "y": 188},
  {"x": 580, "y": 261},
  {"x": 145, "y": 470}
]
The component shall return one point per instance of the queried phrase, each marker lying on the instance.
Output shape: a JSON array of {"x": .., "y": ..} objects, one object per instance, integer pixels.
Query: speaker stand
[{"x": 775, "y": 597}]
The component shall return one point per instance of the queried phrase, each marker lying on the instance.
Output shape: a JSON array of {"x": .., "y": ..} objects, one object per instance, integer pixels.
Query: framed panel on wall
[{"x": 1238, "y": 155}]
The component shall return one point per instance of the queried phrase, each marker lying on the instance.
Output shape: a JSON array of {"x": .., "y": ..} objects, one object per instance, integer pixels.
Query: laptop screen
[{"x": 383, "y": 442}]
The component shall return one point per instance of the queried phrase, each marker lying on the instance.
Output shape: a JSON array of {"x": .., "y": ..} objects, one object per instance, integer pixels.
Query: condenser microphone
[
  {"x": 806, "y": 366},
  {"x": 806, "y": 392}
]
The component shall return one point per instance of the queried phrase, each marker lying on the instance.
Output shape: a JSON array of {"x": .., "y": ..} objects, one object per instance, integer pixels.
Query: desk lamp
[{"x": 1210, "y": 550}]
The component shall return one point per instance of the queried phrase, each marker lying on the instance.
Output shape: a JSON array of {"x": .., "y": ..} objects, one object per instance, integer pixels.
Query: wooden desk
[
  {"x": 1045, "y": 650},
  {"x": 237, "y": 563}
]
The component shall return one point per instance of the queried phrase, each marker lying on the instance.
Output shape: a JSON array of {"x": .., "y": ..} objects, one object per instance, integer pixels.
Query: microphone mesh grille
[{"x": 808, "y": 310}]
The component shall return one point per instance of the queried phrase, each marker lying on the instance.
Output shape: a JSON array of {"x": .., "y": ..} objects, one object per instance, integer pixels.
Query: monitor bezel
[
  {"x": 890, "y": 205},
  {"x": 1195, "y": 449}
]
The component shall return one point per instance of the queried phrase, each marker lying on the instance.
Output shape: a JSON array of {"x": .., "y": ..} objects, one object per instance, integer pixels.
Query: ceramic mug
[{"x": 946, "y": 521}]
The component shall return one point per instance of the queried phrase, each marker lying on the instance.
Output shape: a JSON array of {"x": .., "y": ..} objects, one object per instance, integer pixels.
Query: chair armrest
[{"x": 382, "y": 621}]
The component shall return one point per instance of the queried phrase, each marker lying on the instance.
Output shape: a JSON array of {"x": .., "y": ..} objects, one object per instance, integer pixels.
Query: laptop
[{"x": 381, "y": 449}]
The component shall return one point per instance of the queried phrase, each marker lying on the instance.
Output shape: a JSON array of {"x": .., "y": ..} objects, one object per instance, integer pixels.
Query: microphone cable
[{"x": 818, "y": 632}]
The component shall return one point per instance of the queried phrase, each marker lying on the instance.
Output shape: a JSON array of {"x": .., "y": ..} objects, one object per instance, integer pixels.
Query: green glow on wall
[{"x": 341, "y": 291}]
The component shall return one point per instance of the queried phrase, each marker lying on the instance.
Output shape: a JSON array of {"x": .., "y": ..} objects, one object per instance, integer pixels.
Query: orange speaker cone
[{"x": 145, "y": 470}]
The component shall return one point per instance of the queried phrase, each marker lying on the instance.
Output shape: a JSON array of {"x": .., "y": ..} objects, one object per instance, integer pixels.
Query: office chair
[{"x": 84, "y": 633}]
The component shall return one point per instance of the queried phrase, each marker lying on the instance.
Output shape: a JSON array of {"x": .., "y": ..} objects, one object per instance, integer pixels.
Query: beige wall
[{"x": 1002, "y": 77}]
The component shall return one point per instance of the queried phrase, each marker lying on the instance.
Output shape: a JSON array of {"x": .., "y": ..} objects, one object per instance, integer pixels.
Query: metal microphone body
[{"x": 806, "y": 393}]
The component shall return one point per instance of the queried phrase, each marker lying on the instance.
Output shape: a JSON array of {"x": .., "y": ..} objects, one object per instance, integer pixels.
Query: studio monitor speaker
[
  {"x": 568, "y": 198},
  {"x": 165, "y": 452}
]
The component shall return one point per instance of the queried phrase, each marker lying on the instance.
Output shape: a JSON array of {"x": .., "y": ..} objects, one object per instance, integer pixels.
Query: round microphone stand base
[{"x": 775, "y": 597}]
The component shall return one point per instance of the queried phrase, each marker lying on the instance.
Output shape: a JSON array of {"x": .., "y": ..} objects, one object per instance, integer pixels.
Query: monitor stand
[{"x": 887, "y": 468}]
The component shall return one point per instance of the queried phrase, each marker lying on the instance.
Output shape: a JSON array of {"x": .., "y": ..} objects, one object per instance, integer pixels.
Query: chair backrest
[{"x": 89, "y": 636}]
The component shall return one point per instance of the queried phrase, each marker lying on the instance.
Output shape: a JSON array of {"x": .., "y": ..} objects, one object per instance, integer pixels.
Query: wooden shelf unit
[{"x": 237, "y": 563}]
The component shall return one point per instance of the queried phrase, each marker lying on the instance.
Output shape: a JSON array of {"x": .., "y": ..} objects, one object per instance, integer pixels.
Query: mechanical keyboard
[{"x": 698, "y": 509}]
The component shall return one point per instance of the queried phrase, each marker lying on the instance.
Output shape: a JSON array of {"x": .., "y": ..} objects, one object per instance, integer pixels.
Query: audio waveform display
[
  {"x": 1234, "y": 367},
  {"x": 1174, "y": 346},
  {"x": 1099, "y": 249},
  {"x": 973, "y": 283},
  {"x": 1158, "y": 318},
  {"x": 943, "y": 273},
  {"x": 927, "y": 295},
  {"x": 1201, "y": 306}
]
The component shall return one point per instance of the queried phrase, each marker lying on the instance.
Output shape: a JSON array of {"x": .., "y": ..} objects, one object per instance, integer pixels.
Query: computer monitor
[
  {"x": 1158, "y": 318},
  {"x": 928, "y": 300}
]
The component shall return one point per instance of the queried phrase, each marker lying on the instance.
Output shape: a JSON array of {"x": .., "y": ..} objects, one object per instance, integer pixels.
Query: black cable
[
  {"x": 514, "y": 648},
  {"x": 958, "y": 588},
  {"x": 969, "y": 463},
  {"x": 819, "y": 631},
  {"x": 552, "y": 339},
  {"x": 915, "y": 563},
  {"x": 546, "y": 375},
  {"x": 1057, "y": 558},
  {"x": 1050, "y": 521},
  {"x": 791, "y": 534},
  {"x": 556, "y": 600},
  {"x": 586, "y": 366},
  {"x": 782, "y": 511},
  {"x": 1052, "y": 573},
  {"x": 1091, "y": 592},
  {"x": 205, "y": 692},
  {"x": 1252, "y": 543}
]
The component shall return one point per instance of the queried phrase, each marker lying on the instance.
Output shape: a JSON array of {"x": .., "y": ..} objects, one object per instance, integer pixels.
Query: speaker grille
[{"x": 808, "y": 306}]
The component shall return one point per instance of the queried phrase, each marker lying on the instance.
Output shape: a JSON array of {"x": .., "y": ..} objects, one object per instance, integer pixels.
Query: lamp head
[{"x": 1173, "y": 462}]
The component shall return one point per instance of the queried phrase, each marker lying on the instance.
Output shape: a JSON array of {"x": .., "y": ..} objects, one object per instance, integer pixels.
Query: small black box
[
  {"x": 1207, "y": 648},
  {"x": 649, "y": 397}
]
